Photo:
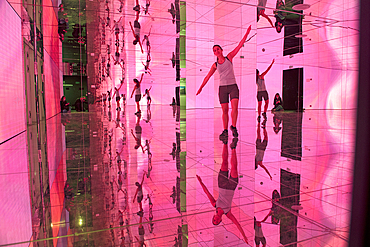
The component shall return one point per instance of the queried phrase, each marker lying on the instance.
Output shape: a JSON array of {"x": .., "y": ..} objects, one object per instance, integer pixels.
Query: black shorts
[
  {"x": 118, "y": 98},
  {"x": 148, "y": 98},
  {"x": 261, "y": 145},
  {"x": 259, "y": 240},
  {"x": 262, "y": 94},
  {"x": 109, "y": 98},
  {"x": 225, "y": 182},
  {"x": 137, "y": 98},
  {"x": 225, "y": 91}
]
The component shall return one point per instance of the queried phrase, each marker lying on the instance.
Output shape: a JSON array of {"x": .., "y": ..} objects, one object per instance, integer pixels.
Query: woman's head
[
  {"x": 217, "y": 50},
  {"x": 63, "y": 98},
  {"x": 257, "y": 74},
  {"x": 136, "y": 81},
  {"x": 277, "y": 95}
]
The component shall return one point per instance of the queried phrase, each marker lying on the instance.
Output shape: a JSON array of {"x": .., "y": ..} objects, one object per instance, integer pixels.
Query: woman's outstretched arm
[
  {"x": 233, "y": 53},
  {"x": 206, "y": 79}
]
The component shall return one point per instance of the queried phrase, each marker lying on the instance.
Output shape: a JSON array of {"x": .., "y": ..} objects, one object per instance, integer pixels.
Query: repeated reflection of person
[
  {"x": 227, "y": 185},
  {"x": 150, "y": 214},
  {"x": 258, "y": 233},
  {"x": 140, "y": 196},
  {"x": 141, "y": 239},
  {"x": 261, "y": 148},
  {"x": 147, "y": 148},
  {"x": 138, "y": 132},
  {"x": 275, "y": 209}
]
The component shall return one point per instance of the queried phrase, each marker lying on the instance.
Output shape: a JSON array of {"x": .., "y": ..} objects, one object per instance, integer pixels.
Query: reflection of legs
[
  {"x": 265, "y": 137},
  {"x": 258, "y": 131},
  {"x": 234, "y": 164},
  {"x": 259, "y": 107},
  {"x": 225, "y": 114},
  {"x": 234, "y": 111},
  {"x": 225, "y": 156}
]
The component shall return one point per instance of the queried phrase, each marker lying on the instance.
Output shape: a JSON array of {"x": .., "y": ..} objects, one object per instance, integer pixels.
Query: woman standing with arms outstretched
[{"x": 228, "y": 87}]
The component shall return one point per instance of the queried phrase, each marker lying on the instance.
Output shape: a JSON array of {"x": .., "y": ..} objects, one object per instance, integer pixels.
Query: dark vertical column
[{"x": 360, "y": 221}]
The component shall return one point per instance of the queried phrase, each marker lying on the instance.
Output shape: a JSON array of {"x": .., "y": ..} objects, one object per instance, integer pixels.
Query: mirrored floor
[{"x": 289, "y": 181}]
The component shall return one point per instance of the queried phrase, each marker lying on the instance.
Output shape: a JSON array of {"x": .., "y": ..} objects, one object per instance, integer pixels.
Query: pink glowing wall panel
[
  {"x": 12, "y": 96},
  {"x": 15, "y": 205},
  {"x": 53, "y": 91},
  {"x": 52, "y": 73}
]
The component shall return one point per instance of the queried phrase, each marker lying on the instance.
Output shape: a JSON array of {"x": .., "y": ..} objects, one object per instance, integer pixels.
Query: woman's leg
[
  {"x": 259, "y": 107},
  {"x": 234, "y": 111},
  {"x": 225, "y": 114}
]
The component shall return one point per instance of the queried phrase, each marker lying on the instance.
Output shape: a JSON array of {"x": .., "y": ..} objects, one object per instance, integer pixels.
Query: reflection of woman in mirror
[
  {"x": 140, "y": 196},
  {"x": 261, "y": 91},
  {"x": 258, "y": 234},
  {"x": 148, "y": 98},
  {"x": 150, "y": 214},
  {"x": 278, "y": 103},
  {"x": 137, "y": 91},
  {"x": 260, "y": 149},
  {"x": 228, "y": 87},
  {"x": 137, "y": 27},
  {"x": 227, "y": 186},
  {"x": 140, "y": 239},
  {"x": 261, "y": 11}
]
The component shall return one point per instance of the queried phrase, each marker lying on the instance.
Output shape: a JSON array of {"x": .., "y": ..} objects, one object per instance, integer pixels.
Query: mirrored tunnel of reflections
[
  {"x": 124, "y": 134},
  {"x": 293, "y": 170}
]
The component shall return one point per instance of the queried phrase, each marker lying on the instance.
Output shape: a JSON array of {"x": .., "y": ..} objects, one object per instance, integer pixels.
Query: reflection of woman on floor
[
  {"x": 228, "y": 87},
  {"x": 260, "y": 149},
  {"x": 138, "y": 132},
  {"x": 261, "y": 11},
  {"x": 227, "y": 186}
]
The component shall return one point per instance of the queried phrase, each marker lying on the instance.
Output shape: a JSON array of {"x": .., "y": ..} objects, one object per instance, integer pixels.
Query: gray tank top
[
  {"x": 224, "y": 200},
  {"x": 226, "y": 71},
  {"x": 261, "y": 85},
  {"x": 138, "y": 91}
]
